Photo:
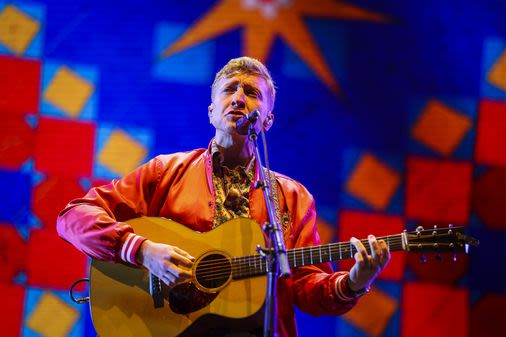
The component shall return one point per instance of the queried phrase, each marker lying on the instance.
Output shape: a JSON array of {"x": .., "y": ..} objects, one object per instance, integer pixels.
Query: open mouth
[{"x": 236, "y": 114}]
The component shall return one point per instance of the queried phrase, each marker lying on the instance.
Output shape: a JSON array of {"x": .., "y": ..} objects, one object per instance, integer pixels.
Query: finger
[
  {"x": 375, "y": 249},
  {"x": 168, "y": 279},
  {"x": 180, "y": 260},
  {"x": 359, "y": 259},
  {"x": 385, "y": 253},
  {"x": 178, "y": 274},
  {"x": 184, "y": 253},
  {"x": 360, "y": 249}
]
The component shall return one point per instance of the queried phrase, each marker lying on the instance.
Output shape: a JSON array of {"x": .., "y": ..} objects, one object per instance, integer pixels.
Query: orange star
[{"x": 263, "y": 20}]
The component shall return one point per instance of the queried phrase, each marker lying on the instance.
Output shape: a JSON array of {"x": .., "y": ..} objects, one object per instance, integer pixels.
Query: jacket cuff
[
  {"x": 341, "y": 289},
  {"x": 130, "y": 247}
]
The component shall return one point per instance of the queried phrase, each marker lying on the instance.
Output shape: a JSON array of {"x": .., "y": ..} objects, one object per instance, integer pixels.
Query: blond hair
[{"x": 246, "y": 65}]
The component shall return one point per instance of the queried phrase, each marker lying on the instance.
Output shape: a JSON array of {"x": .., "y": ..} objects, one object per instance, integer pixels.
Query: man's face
[{"x": 237, "y": 96}]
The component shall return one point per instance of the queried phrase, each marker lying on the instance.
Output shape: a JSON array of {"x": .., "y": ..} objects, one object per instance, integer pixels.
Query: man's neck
[{"x": 234, "y": 150}]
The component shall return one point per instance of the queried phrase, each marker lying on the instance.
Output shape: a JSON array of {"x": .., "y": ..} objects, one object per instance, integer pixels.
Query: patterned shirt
[{"x": 232, "y": 187}]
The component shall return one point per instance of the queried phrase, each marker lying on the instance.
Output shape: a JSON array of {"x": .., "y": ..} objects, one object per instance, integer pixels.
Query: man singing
[{"x": 204, "y": 188}]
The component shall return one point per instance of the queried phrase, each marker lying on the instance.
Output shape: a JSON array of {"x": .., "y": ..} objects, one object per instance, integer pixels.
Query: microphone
[{"x": 243, "y": 123}]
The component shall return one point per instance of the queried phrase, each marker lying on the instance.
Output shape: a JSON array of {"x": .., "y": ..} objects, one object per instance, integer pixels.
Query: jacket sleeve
[
  {"x": 317, "y": 289},
  {"x": 95, "y": 223}
]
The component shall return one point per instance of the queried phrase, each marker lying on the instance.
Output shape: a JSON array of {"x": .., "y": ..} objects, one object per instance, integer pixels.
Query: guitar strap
[{"x": 283, "y": 219}]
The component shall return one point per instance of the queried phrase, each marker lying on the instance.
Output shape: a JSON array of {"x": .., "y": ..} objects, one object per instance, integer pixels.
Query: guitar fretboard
[{"x": 254, "y": 265}]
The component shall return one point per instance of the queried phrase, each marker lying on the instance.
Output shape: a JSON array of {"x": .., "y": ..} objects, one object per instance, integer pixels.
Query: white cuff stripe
[
  {"x": 132, "y": 244},
  {"x": 340, "y": 292},
  {"x": 125, "y": 247}
]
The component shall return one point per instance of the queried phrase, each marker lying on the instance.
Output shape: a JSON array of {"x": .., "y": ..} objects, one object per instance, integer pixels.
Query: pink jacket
[{"x": 95, "y": 225}]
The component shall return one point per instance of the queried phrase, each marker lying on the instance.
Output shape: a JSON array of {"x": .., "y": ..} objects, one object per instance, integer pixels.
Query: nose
[{"x": 239, "y": 99}]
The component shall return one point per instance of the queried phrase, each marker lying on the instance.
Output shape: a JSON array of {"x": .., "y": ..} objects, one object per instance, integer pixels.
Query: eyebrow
[{"x": 246, "y": 86}]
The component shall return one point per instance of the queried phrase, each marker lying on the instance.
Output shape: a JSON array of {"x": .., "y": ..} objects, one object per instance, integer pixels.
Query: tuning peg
[{"x": 423, "y": 259}]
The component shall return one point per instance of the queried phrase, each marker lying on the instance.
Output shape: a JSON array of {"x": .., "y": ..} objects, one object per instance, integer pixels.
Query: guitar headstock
[{"x": 438, "y": 240}]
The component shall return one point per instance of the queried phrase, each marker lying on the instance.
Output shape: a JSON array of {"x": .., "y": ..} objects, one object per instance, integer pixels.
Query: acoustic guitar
[{"x": 229, "y": 277}]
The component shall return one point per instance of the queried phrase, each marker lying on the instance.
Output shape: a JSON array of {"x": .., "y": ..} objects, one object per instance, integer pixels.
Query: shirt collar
[{"x": 218, "y": 159}]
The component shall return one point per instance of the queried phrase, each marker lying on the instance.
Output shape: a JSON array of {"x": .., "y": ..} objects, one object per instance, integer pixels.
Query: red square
[
  {"x": 438, "y": 191},
  {"x": 19, "y": 85},
  {"x": 51, "y": 195},
  {"x": 52, "y": 262},
  {"x": 11, "y": 310},
  {"x": 487, "y": 315},
  {"x": 434, "y": 310},
  {"x": 16, "y": 141},
  {"x": 360, "y": 225},
  {"x": 65, "y": 147},
  {"x": 491, "y": 133},
  {"x": 12, "y": 253}
]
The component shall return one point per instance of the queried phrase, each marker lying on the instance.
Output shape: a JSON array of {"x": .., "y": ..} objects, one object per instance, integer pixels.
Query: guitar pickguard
[{"x": 185, "y": 298}]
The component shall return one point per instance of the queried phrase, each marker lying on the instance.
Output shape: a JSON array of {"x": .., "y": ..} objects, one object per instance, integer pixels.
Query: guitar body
[{"x": 121, "y": 304}]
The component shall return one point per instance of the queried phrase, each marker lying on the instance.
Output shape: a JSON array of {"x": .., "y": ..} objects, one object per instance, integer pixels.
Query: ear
[
  {"x": 268, "y": 121},
  {"x": 210, "y": 111}
]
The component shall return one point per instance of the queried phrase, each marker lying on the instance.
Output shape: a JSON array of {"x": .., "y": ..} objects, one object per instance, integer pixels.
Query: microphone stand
[{"x": 275, "y": 254}]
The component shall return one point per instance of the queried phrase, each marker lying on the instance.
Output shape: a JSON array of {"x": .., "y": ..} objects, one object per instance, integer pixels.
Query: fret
[{"x": 246, "y": 267}]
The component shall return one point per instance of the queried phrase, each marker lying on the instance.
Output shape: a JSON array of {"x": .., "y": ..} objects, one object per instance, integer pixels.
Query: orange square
[
  {"x": 373, "y": 182},
  {"x": 17, "y": 29},
  {"x": 366, "y": 316},
  {"x": 121, "y": 153},
  {"x": 69, "y": 91},
  {"x": 497, "y": 74},
  {"x": 441, "y": 128}
]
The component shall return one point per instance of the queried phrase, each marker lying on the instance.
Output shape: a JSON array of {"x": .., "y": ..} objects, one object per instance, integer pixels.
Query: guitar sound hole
[{"x": 213, "y": 271}]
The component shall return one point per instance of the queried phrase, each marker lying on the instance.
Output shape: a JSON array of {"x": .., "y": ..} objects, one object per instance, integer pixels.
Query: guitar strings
[
  {"x": 247, "y": 265},
  {"x": 247, "y": 261},
  {"x": 242, "y": 269},
  {"x": 298, "y": 253},
  {"x": 242, "y": 266}
]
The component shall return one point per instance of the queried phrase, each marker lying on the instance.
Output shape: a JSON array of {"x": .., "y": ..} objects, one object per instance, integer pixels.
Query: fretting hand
[{"x": 367, "y": 267}]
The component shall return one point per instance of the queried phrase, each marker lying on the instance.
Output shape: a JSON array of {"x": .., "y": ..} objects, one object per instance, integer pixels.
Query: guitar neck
[
  {"x": 254, "y": 265},
  {"x": 305, "y": 256}
]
